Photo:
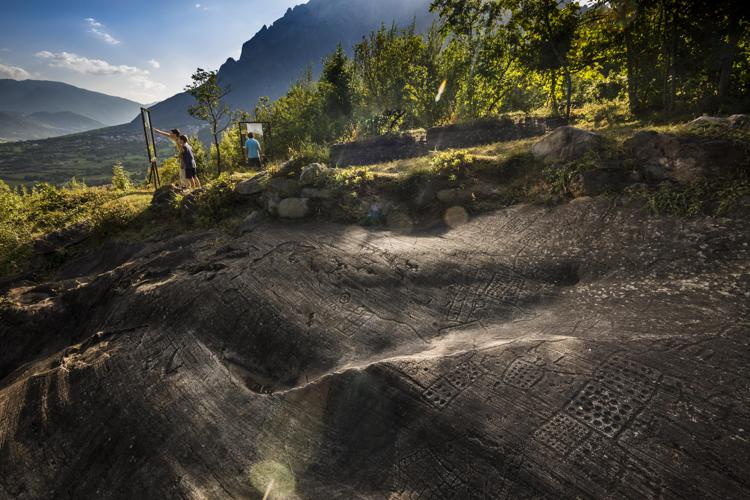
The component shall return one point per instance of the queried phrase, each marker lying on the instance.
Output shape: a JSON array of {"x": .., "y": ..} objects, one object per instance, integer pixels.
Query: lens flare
[
  {"x": 456, "y": 216},
  {"x": 441, "y": 90},
  {"x": 273, "y": 480}
]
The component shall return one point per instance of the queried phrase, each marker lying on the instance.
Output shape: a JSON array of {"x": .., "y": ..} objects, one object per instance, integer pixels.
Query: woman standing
[{"x": 174, "y": 136}]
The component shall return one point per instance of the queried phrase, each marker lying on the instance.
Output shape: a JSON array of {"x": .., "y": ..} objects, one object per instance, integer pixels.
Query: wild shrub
[
  {"x": 307, "y": 152},
  {"x": 453, "y": 165},
  {"x": 120, "y": 179},
  {"x": 684, "y": 201},
  {"x": 217, "y": 201}
]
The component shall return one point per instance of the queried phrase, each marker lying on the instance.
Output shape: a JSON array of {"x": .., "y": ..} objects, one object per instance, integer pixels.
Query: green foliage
[
  {"x": 559, "y": 178},
  {"x": 25, "y": 215},
  {"x": 453, "y": 165},
  {"x": 231, "y": 152},
  {"x": 336, "y": 88},
  {"x": 120, "y": 179},
  {"x": 306, "y": 153},
  {"x": 15, "y": 228},
  {"x": 169, "y": 173},
  {"x": 297, "y": 117},
  {"x": 210, "y": 106},
  {"x": 605, "y": 64},
  {"x": 684, "y": 201},
  {"x": 218, "y": 200},
  {"x": 397, "y": 77},
  {"x": 352, "y": 182}
]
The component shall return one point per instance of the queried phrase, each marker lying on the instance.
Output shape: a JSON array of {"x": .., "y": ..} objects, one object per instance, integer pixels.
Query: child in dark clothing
[{"x": 188, "y": 163}]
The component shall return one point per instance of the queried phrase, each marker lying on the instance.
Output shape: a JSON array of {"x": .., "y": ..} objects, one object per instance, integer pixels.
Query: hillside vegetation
[{"x": 403, "y": 195}]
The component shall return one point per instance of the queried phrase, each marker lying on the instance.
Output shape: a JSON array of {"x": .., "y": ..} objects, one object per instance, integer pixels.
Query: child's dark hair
[
  {"x": 176, "y": 131},
  {"x": 184, "y": 138},
  {"x": 250, "y": 136}
]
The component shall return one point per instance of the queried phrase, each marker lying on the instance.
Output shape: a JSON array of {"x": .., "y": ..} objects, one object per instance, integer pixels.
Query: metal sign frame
[
  {"x": 148, "y": 132},
  {"x": 266, "y": 139}
]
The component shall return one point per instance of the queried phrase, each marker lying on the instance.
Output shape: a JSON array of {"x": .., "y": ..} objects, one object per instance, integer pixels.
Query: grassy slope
[{"x": 500, "y": 174}]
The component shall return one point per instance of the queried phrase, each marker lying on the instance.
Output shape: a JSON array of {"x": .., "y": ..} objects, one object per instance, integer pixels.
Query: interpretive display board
[
  {"x": 261, "y": 132},
  {"x": 148, "y": 131}
]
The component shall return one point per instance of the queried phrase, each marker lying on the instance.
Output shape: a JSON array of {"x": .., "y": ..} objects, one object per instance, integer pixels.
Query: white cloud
[
  {"x": 136, "y": 78},
  {"x": 87, "y": 66},
  {"x": 200, "y": 6},
  {"x": 5, "y": 49},
  {"x": 154, "y": 64},
  {"x": 97, "y": 29},
  {"x": 146, "y": 83},
  {"x": 14, "y": 72}
]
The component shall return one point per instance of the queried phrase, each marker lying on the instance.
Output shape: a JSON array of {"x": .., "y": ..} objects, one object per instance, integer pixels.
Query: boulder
[
  {"x": 165, "y": 197},
  {"x": 566, "y": 144},
  {"x": 734, "y": 121},
  {"x": 599, "y": 181},
  {"x": 284, "y": 187},
  {"x": 455, "y": 196},
  {"x": 681, "y": 159},
  {"x": 252, "y": 222},
  {"x": 286, "y": 169},
  {"x": 189, "y": 206},
  {"x": 709, "y": 120},
  {"x": 313, "y": 174},
  {"x": 62, "y": 239},
  {"x": 293, "y": 208},
  {"x": 317, "y": 193},
  {"x": 272, "y": 201},
  {"x": 252, "y": 187},
  {"x": 739, "y": 122}
]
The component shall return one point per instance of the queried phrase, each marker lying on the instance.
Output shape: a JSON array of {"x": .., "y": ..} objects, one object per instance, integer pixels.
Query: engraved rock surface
[{"x": 585, "y": 351}]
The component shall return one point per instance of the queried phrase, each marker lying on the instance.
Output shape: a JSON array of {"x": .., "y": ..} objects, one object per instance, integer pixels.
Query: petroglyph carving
[
  {"x": 523, "y": 374},
  {"x": 602, "y": 408},
  {"x": 422, "y": 475},
  {"x": 562, "y": 433},
  {"x": 446, "y": 388}
]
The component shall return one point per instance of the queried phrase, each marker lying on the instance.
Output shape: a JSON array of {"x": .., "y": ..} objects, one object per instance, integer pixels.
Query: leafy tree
[
  {"x": 297, "y": 117},
  {"x": 389, "y": 67},
  {"x": 210, "y": 106},
  {"x": 338, "y": 78},
  {"x": 230, "y": 149}
]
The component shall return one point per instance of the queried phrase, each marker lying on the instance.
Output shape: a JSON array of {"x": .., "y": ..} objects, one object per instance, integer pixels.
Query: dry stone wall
[{"x": 410, "y": 145}]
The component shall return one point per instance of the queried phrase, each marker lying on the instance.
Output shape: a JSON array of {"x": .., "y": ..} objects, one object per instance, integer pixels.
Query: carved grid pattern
[
  {"x": 602, "y": 408},
  {"x": 562, "y": 433},
  {"x": 464, "y": 375},
  {"x": 422, "y": 476},
  {"x": 522, "y": 374}
]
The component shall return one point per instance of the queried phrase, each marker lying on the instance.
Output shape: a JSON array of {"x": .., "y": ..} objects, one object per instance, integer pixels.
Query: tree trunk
[
  {"x": 633, "y": 102},
  {"x": 728, "y": 56},
  {"x": 218, "y": 154},
  {"x": 569, "y": 91},
  {"x": 553, "y": 93}
]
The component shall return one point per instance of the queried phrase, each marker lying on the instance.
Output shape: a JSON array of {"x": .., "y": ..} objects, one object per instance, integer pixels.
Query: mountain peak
[{"x": 278, "y": 54}]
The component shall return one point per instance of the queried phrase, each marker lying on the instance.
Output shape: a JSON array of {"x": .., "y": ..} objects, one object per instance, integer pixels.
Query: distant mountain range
[
  {"x": 33, "y": 96},
  {"x": 278, "y": 55},
  {"x": 42, "y": 125}
]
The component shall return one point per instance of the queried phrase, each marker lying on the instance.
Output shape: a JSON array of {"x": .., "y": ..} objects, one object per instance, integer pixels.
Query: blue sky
[{"x": 138, "y": 49}]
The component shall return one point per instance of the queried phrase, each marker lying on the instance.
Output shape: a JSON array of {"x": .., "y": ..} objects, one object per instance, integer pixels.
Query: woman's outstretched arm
[{"x": 165, "y": 134}]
